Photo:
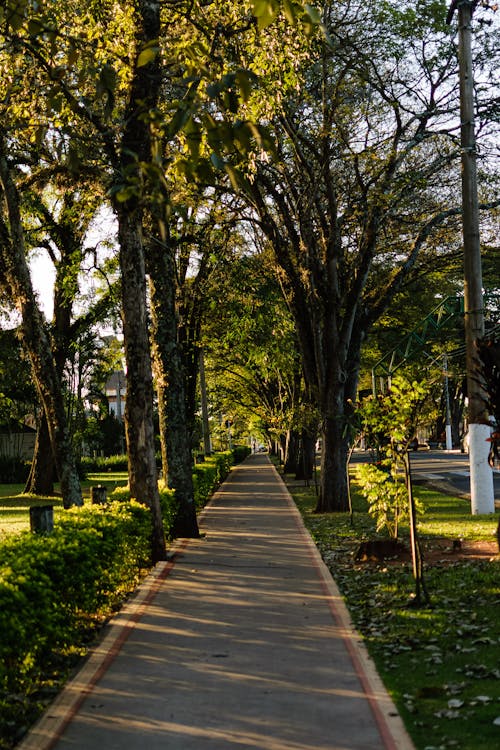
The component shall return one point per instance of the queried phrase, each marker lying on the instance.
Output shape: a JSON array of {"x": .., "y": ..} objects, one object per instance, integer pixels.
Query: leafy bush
[
  {"x": 240, "y": 452},
  {"x": 168, "y": 505},
  {"x": 53, "y": 586},
  {"x": 386, "y": 494},
  {"x": 204, "y": 480},
  {"x": 223, "y": 462},
  {"x": 389, "y": 422},
  {"x": 208, "y": 475},
  {"x": 167, "y": 502},
  {"x": 121, "y": 494},
  {"x": 103, "y": 463}
]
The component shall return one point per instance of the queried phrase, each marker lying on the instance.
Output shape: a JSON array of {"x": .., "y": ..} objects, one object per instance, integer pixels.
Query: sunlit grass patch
[
  {"x": 15, "y": 510},
  {"x": 445, "y": 515},
  {"x": 15, "y": 504},
  {"x": 107, "y": 478}
]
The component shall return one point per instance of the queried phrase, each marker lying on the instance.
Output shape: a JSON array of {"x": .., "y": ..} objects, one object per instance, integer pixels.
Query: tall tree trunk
[
  {"x": 35, "y": 338},
  {"x": 175, "y": 436},
  {"x": 339, "y": 397},
  {"x": 139, "y": 430},
  {"x": 292, "y": 452},
  {"x": 41, "y": 477},
  {"x": 282, "y": 451},
  {"x": 333, "y": 494},
  {"x": 135, "y": 149},
  {"x": 306, "y": 457}
]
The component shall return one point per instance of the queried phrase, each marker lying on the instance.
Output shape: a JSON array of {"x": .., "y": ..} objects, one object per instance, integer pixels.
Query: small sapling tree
[{"x": 389, "y": 423}]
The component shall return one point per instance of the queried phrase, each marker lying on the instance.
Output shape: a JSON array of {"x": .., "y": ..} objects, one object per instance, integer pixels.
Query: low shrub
[
  {"x": 167, "y": 503},
  {"x": 91, "y": 465},
  {"x": 240, "y": 452},
  {"x": 204, "y": 480},
  {"x": 207, "y": 476},
  {"x": 54, "y": 587}
]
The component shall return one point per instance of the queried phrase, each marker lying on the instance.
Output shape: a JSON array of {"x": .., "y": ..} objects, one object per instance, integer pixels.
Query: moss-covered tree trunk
[
  {"x": 175, "y": 436},
  {"x": 139, "y": 429},
  {"x": 135, "y": 149}
]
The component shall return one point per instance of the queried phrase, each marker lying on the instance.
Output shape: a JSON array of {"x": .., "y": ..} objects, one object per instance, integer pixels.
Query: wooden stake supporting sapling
[{"x": 421, "y": 595}]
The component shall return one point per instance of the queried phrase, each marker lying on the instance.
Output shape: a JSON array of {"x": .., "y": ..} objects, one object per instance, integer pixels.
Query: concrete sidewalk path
[{"x": 240, "y": 641}]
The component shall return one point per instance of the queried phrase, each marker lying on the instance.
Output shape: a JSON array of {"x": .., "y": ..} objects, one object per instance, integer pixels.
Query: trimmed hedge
[
  {"x": 209, "y": 474},
  {"x": 240, "y": 452},
  {"x": 103, "y": 463},
  {"x": 167, "y": 502},
  {"x": 120, "y": 463},
  {"x": 54, "y": 590}
]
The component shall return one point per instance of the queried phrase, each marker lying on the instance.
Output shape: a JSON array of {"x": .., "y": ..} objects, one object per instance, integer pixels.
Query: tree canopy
[{"x": 283, "y": 181}]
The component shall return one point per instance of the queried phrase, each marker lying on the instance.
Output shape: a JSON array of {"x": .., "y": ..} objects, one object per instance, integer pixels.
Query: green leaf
[
  {"x": 265, "y": 11},
  {"x": 15, "y": 19},
  {"x": 213, "y": 90},
  {"x": 147, "y": 55},
  {"x": 35, "y": 27},
  {"x": 204, "y": 172},
  {"x": 234, "y": 176},
  {"x": 313, "y": 13},
  {"x": 244, "y": 79},
  {"x": 194, "y": 138},
  {"x": 230, "y": 101},
  {"x": 290, "y": 11},
  {"x": 107, "y": 83},
  {"x": 243, "y": 136},
  {"x": 178, "y": 121}
]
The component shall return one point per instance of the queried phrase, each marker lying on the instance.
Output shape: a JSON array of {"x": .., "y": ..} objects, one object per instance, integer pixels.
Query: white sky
[{"x": 42, "y": 277}]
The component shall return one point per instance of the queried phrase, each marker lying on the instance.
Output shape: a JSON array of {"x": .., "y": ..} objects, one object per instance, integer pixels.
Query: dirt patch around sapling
[{"x": 435, "y": 551}]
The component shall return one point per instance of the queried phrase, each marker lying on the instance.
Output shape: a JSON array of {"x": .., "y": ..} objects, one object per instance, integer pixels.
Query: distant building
[
  {"x": 116, "y": 388},
  {"x": 17, "y": 440}
]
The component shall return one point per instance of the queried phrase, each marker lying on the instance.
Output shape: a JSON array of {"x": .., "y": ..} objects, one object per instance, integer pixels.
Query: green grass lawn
[
  {"x": 441, "y": 663},
  {"x": 14, "y": 505}
]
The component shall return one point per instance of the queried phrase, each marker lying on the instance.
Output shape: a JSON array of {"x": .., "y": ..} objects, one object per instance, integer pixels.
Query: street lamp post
[{"x": 481, "y": 477}]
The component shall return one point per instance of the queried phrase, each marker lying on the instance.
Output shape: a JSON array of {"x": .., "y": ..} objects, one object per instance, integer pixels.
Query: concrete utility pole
[{"x": 481, "y": 476}]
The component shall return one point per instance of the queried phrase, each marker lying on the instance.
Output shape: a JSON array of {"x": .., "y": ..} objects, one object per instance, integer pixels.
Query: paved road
[
  {"x": 448, "y": 471},
  {"x": 242, "y": 641}
]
